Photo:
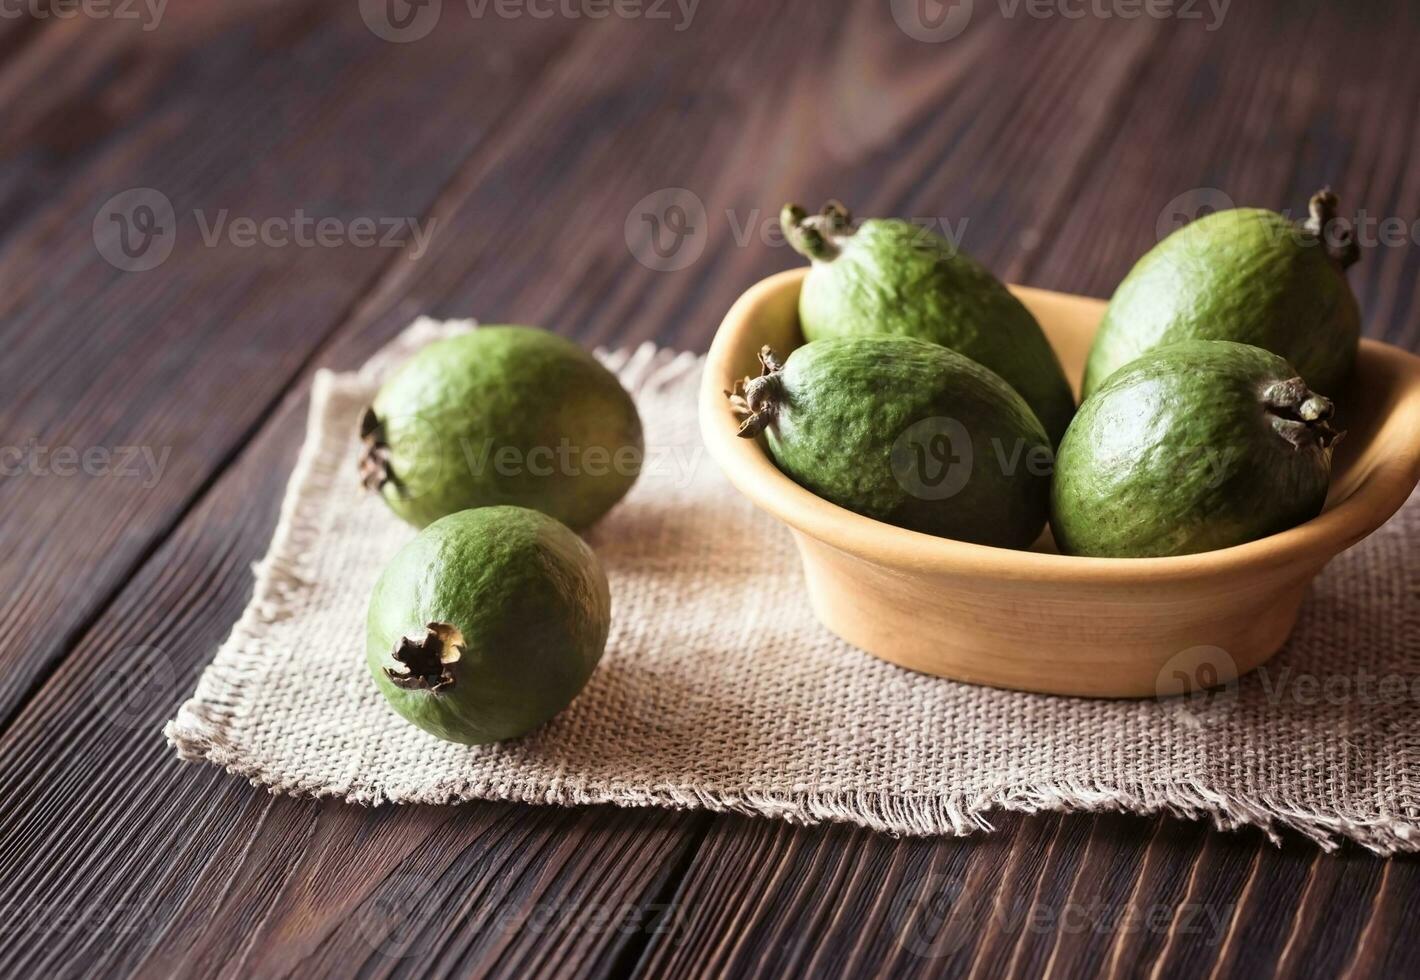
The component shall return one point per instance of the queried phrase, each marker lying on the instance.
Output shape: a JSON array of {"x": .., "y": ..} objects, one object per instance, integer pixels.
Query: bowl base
[{"x": 1118, "y": 645}]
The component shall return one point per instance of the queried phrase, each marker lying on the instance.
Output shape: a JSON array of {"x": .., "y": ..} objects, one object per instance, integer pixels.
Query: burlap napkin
[{"x": 720, "y": 690}]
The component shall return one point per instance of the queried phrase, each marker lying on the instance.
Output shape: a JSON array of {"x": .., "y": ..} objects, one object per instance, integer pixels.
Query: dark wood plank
[
  {"x": 1385, "y": 947},
  {"x": 222, "y": 879},
  {"x": 1102, "y": 900},
  {"x": 506, "y": 890},
  {"x": 187, "y": 870},
  {"x": 256, "y": 851},
  {"x": 1282, "y": 100},
  {"x": 764, "y": 899},
  {"x": 276, "y": 117}
]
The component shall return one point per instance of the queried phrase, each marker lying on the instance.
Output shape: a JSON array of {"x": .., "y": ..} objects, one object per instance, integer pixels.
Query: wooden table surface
[{"x": 1056, "y": 145}]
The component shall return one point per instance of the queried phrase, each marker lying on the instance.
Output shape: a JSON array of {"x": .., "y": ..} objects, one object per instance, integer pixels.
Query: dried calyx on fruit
[
  {"x": 1339, "y": 241},
  {"x": 375, "y": 471},
  {"x": 819, "y": 236},
  {"x": 487, "y": 624},
  {"x": 753, "y": 399},
  {"x": 1300, "y": 416},
  {"x": 425, "y": 658}
]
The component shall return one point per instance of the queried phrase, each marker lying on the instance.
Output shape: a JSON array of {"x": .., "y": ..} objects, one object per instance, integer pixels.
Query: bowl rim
[{"x": 1381, "y": 493}]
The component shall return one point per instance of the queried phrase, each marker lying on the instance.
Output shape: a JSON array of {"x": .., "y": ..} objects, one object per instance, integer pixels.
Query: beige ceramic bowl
[{"x": 1037, "y": 620}]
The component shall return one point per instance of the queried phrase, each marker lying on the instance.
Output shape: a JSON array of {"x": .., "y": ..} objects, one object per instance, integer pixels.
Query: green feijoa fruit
[
  {"x": 502, "y": 415},
  {"x": 891, "y": 277},
  {"x": 487, "y": 624},
  {"x": 907, "y": 432},
  {"x": 1247, "y": 275},
  {"x": 1195, "y": 446}
]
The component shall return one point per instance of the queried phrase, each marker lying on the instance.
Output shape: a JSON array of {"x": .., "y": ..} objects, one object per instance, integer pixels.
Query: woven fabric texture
[{"x": 720, "y": 690}]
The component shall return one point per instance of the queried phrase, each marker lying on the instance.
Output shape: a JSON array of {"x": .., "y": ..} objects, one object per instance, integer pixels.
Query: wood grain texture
[
  {"x": 531, "y": 144},
  {"x": 124, "y": 859},
  {"x": 1333, "y": 102},
  {"x": 180, "y": 362}
]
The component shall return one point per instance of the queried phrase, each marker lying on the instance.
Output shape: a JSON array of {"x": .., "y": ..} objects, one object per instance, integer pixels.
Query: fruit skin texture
[
  {"x": 435, "y": 431},
  {"x": 1192, "y": 447},
  {"x": 893, "y": 277},
  {"x": 1246, "y": 275},
  {"x": 839, "y": 417},
  {"x": 531, "y": 608}
]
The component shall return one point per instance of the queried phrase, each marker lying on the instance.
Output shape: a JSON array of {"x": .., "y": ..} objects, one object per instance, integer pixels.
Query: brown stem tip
[
  {"x": 375, "y": 469},
  {"x": 755, "y": 401},
  {"x": 818, "y": 237},
  {"x": 1299, "y": 415},
  {"x": 427, "y": 659},
  {"x": 1339, "y": 241}
]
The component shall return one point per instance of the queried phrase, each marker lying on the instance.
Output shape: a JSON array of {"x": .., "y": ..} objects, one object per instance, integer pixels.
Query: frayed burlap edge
[{"x": 199, "y": 732}]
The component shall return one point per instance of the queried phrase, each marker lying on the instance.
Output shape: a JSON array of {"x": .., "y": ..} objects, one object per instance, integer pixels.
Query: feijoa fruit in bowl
[
  {"x": 1244, "y": 274},
  {"x": 904, "y": 431},
  {"x": 1083, "y": 626},
  {"x": 1192, "y": 447}
]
